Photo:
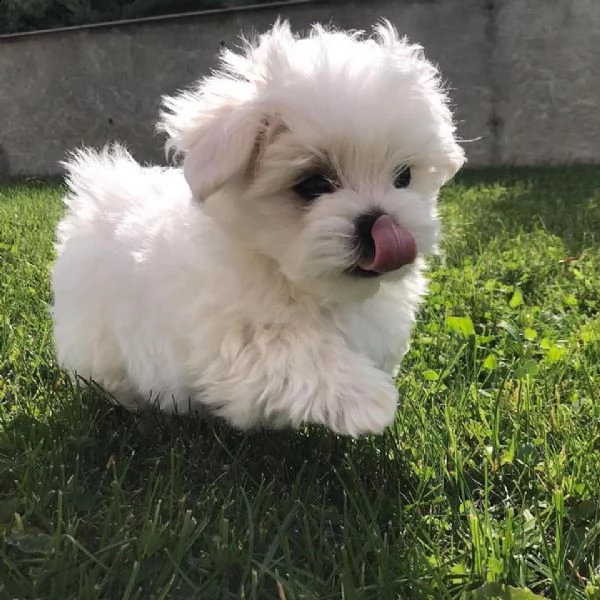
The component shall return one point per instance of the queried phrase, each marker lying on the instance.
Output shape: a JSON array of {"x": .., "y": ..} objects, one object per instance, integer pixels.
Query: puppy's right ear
[{"x": 216, "y": 129}]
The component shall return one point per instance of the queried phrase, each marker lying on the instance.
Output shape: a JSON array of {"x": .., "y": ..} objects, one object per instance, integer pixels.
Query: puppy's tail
[{"x": 93, "y": 178}]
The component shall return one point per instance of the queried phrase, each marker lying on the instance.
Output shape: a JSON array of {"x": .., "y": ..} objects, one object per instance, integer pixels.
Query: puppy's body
[{"x": 225, "y": 285}]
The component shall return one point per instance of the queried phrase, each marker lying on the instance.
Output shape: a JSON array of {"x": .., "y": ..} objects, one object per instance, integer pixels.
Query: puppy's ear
[
  {"x": 454, "y": 160},
  {"x": 400, "y": 51},
  {"x": 217, "y": 129}
]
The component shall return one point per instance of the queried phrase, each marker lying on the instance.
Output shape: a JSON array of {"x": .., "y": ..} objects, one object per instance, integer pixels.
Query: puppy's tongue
[{"x": 394, "y": 247}]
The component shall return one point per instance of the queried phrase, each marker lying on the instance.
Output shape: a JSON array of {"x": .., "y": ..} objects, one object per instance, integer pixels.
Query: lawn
[{"x": 488, "y": 482}]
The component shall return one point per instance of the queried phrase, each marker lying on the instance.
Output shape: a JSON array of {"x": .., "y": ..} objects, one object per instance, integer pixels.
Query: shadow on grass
[
  {"x": 88, "y": 429},
  {"x": 565, "y": 201},
  {"x": 254, "y": 498}
]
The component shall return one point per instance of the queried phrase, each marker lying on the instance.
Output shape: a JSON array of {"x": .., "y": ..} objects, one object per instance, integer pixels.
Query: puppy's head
[{"x": 325, "y": 153}]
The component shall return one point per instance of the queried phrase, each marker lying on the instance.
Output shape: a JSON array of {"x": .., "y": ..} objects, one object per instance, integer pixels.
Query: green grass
[{"x": 489, "y": 481}]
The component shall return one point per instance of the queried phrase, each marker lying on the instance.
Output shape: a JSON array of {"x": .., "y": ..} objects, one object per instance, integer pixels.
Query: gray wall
[{"x": 525, "y": 76}]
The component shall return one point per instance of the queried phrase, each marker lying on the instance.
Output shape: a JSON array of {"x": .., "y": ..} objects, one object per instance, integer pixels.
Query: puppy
[{"x": 275, "y": 277}]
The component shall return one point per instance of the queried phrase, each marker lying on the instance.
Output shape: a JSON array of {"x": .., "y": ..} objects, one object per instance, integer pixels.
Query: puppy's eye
[
  {"x": 402, "y": 178},
  {"x": 314, "y": 186}
]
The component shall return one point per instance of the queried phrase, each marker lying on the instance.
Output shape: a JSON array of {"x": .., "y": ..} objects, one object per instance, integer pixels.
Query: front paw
[{"x": 366, "y": 409}]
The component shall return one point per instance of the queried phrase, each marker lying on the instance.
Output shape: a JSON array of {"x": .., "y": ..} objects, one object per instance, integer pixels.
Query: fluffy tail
[{"x": 95, "y": 178}]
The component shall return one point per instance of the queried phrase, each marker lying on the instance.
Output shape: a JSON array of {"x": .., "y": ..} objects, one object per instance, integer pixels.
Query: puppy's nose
[
  {"x": 383, "y": 244},
  {"x": 363, "y": 226}
]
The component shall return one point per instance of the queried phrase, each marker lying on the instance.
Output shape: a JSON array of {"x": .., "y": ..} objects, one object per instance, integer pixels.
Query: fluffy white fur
[{"x": 214, "y": 286}]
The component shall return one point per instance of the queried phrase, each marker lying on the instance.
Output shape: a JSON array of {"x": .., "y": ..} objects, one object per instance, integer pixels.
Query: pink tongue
[{"x": 394, "y": 247}]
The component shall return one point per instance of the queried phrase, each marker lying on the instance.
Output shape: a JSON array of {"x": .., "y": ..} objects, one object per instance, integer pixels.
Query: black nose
[{"x": 363, "y": 225}]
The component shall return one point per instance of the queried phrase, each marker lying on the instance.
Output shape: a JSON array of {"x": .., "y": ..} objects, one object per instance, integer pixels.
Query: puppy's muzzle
[{"x": 383, "y": 245}]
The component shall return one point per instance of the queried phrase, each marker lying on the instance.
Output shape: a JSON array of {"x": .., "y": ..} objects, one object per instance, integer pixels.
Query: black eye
[
  {"x": 314, "y": 186},
  {"x": 402, "y": 179}
]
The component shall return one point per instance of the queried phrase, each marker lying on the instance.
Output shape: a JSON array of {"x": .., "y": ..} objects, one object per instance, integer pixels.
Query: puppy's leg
[
  {"x": 289, "y": 377},
  {"x": 352, "y": 397}
]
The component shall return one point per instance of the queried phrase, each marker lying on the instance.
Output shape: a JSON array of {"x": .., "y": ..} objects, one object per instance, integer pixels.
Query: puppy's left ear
[
  {"x": 451, "y": 156},
  {"x": 453, "y": 161},
  {"x": 217, "y": 129}
]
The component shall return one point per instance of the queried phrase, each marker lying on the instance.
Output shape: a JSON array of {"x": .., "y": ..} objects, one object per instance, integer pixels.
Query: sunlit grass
[{"x": 489, "y": 480}]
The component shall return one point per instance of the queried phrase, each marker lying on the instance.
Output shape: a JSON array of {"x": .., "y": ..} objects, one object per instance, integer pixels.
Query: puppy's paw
[{"x": 366, "y": 409}]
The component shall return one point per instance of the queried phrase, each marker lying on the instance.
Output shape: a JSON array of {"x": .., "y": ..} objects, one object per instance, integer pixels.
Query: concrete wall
[{"x": 524, "y": 76}]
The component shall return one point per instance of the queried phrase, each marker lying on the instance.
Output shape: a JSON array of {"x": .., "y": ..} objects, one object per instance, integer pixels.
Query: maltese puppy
[{"x": 274, "y": 278}]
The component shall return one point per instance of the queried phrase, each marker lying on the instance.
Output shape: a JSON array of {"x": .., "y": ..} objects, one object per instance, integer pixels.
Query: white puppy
[{"x": 274, "y": 279}]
